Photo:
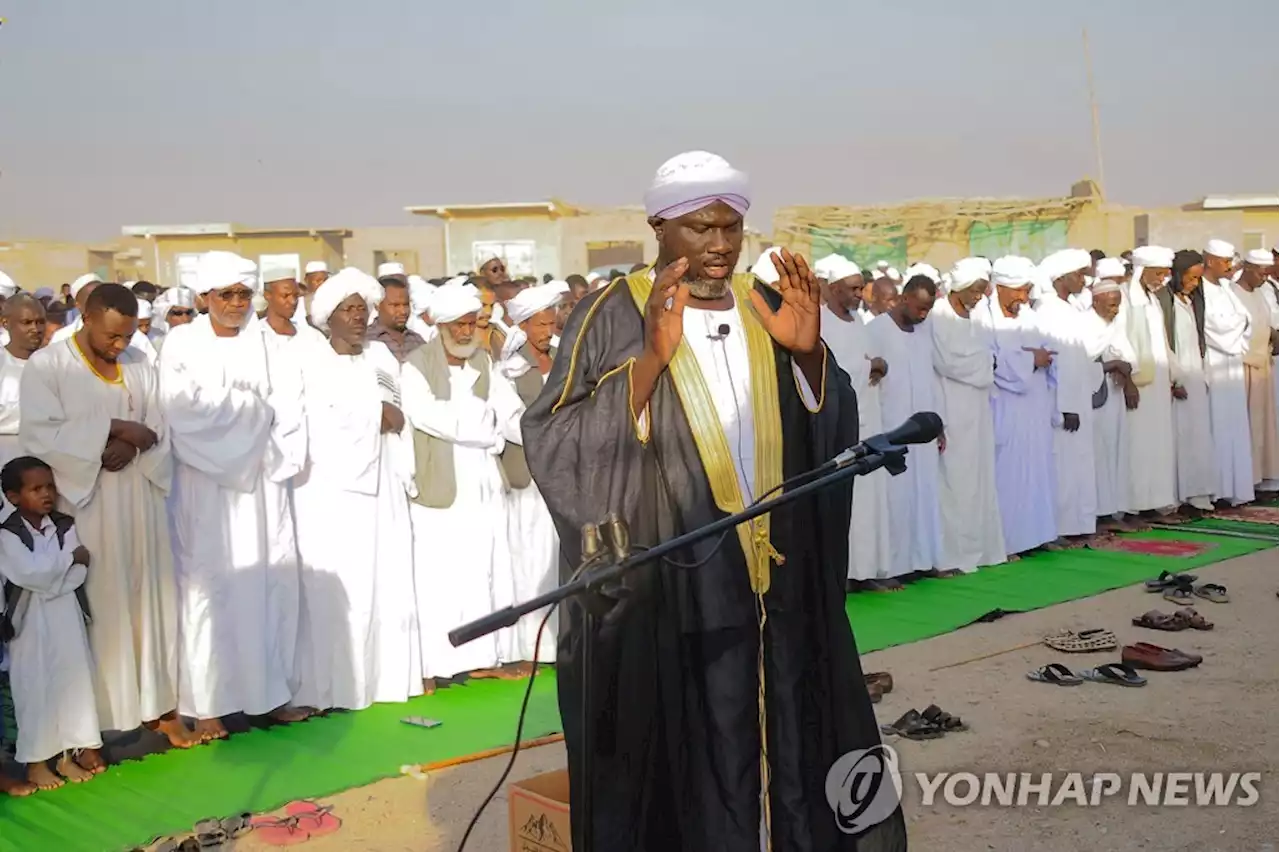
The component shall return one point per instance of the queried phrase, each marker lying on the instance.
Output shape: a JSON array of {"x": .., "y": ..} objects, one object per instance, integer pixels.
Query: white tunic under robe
[
  {"x": 1077, "y": 491},
  {"x": 915, "y": 525},
  {"x": 1196, "y": 464},
  {"x": 1226, "y": 336},
  {"x": 50, "y": 665},
  {"x": 234, "y": 406},
  {"x": 963, "y": 358},
  {"x": 1110, "y": 422},
  {"x": 1259, "y": 384},
  {"x": 121, "y": 518},
  {"x": 1152, "y": 472},
  {"x": 359, "y": 641},
  {"x": 1023, "y": 409},
  {"x": 849, "y": 342},
  {"x": 10, "y": 378}
]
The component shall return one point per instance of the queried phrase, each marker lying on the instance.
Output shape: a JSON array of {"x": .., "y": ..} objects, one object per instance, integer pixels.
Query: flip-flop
[
  {"x": 1181, "y": 595},
  {"x": 913, "y": 726},
  {"x": 1085, "y": 641},
  {"x": 1157, "y": 620},
  {"x": 944, "y": 720},
  {"x": 1119, "y": 674},
  {"x": 315, "y": 819},
  {"x": 237, "y": 826},
  {"x": 884, "y": 679},
  {"x": 209, "y": 833},
  {"x": 1193, "y": 619},
  {"x": 1166, "y": 579},
  {"x": 1056, "y": 674},
  {"x": 278, "y": 831},
  {"x": 1214, "y": 592}
]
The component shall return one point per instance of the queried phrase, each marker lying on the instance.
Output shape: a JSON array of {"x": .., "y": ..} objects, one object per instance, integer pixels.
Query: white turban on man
[
  {"x": 217, "y": 270},
  {"x": 347, "y": 283},
  {"x": 1259, "y": 257},
  {"x": 1153, "y": 256},
  {"x": 452, "y": 302},
  {"x": 1065, "y": 262},
  {"x": 692, "y": 181},
  {"x": 923, "y": 269},
  {"x": 7, "y": 286},
  {"x": 835, "y": 267},
  {"x": 420, "y": 293},
  {"x": 145, "y": 310},
  {"x": 81, "y": 282},
  {"x": 1220, "y": 248},
  {"x": 969, "y": 271},
  {"x": 1013, "y": 272},
  {"x": 1107, "y": 267},
  {"x": 526, "y": 304},
  {"x": 174, "y": 297}
]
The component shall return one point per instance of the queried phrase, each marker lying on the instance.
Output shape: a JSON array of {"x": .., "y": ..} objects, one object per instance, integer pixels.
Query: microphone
[
  {"x": 722, "y": 331},
  {"x": 920, "y": 428}
]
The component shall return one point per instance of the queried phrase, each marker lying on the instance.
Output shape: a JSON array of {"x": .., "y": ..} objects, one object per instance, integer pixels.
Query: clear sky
[{"x": 339, "y": 113}]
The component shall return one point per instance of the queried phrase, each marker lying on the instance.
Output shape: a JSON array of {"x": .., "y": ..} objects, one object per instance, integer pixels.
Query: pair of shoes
[
  {"x": 1059, "y": 675},
  {"x": 879, "y": 684},
  {"x": 927, "y": 724},
  {"x": 1173, "y": 622}
]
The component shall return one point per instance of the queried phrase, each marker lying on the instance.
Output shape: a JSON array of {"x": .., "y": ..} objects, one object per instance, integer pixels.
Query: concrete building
[
  {"x": 419, "y": 247},
  {"x": 51, "y": 263},
  {"x": 1246, "y": 221},
  {"x": 174, "y": 249}
]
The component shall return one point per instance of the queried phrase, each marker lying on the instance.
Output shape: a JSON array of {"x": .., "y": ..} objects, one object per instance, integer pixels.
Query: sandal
[
  {"x": 1193, "y": 619},
  {"x": 1157, "y": 620},
  {"x": 1212, "y": 592},
  {"x": 278, "y": 831},
  {"x": 913, "y": 726},
  {"x": 209, "y": 834},
  {"x": 944, "y": 720},
  {"x": 1056, "y": 674},
  {"x": 884, "y": 679},
  {"x": 1070, "y": 642},
  {"x": 1181, "y": 595},
  {"x": 1119, "y": 674},
  {"x": 316, "y": 820},
  {"x": 1165, "y": 580}
]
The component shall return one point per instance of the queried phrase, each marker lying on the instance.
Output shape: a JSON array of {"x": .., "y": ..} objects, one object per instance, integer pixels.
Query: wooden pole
[{"x": 1093, "y": 108}]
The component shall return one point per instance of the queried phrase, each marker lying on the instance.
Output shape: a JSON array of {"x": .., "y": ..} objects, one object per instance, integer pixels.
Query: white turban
[
  {"x": 533, "y": 300},
  {"x": 1106, "y": 285},
  {"x": 144, "y": 309},
  {"x": 387, "y": 269},
  {"x": 216, "y": 270},
  {"x": 347, "y": 283},
  {"x": 1013, "y": 272},
  {"x": 7, "y": 286},
  {"x": 835, "y": 267},
  {"x": 420, "y": 293},
  {"x": 969, "y": 271},
  {"x": 1149, "y": 256},
  {"x": 79, "y": 283},
  {"x": 454, "y": 301},
  {"x": 315, "y": 266},
  {"x": 178, "y": 297},
  {"x": 1259, "y": 257},
  {"x": 129, "y": 285},
  {"x": 764, "y": 266},
  {"x": 1108, "y": 267},
  {"x": 693, "y": 180},
  {"x": 1065, "y": 262},
  {"x": 279, "y": 273},
  {"x": 1220, "y": 248},
  {"x": 893, "y": 275},
  {"x": 922, "y": 269}
]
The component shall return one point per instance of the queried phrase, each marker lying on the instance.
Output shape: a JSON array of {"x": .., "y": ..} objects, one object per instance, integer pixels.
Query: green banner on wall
[
  {"x": 874, "y": 245},
  {"x": 1033, "y": 238}
]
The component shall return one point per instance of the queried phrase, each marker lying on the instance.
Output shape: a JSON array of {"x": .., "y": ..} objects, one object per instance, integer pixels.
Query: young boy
[{"x": 44, "y": 566}]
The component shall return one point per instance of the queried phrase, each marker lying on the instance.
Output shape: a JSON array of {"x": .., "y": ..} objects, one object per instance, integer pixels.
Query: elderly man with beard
[
  {"x": 1115, "y": 395},
  {"x": 531, "y": 535},
  {"x": 358, "y": 643},
  {"x": 461, "y": 558},
  {"x": 23, "y": 317},
  {"x": 683, "y": 393},
  {"x": 964, "y": 359},
  {"x": 234, "y": 406}
]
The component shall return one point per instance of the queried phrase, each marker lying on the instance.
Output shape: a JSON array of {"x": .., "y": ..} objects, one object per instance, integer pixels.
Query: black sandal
[
  {"x": 1056, "y": 674},
  {"x": 944, "y": 720},
  {"x": 913, "y": 726}
]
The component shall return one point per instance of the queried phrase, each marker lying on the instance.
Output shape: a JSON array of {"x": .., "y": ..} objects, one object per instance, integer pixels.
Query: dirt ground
[{"x": 1220, "y": 716}]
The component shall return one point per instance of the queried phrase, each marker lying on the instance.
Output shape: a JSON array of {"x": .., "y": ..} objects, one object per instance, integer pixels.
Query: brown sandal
[
  {"x": 1157, "y": 620},
  {"x": 1193, "y": 619}
]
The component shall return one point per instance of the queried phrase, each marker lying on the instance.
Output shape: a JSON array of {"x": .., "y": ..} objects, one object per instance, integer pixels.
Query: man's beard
[
  {"x": 461, "y": 351},
  {"x": 708, "y": 289}
]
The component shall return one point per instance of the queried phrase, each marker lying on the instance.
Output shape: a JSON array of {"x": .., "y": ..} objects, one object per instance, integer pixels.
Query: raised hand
[
  {"x": 796, "y": 324},
  {"x": 663, "y": 324}
]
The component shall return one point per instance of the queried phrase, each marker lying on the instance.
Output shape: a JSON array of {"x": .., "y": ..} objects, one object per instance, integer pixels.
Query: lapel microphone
[{"x": 721, "y": 332}]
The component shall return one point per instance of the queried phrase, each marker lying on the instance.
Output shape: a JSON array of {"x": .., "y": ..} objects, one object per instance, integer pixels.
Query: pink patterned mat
[
  {"x": 1155, "y": 547},
  {"x": 1251, "y": 514}
]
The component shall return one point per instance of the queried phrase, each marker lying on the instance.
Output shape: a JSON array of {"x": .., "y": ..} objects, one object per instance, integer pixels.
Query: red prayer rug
[
  {"x": 1155, "y": 547},
  {"x": 1251, "y": 514}
]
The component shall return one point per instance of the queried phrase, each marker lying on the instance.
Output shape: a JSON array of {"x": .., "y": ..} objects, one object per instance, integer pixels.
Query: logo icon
[{"x": 864, "y": 788}]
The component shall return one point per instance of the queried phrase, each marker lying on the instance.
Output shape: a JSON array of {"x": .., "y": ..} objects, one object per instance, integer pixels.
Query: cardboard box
[{"x": 538, "y": 812}]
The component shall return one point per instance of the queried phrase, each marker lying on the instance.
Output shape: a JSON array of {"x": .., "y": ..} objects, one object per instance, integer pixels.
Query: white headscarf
[
  {"x": 145, "y": 310},
  {"x": 79, "y": 283},
  {"x": 1108, "y": 267},
  {"x": 420, "y": 293},
  {"x": 1013, "y": 272},
  {"x": 7, "y": 286},
  {"x": 1220, "y": 248},
  {"x": 1157, "y": 256},
  {"x": 216, "y": 270},
  {"x": 835, "y": 267},
  {"x": 347, "y": 283},
  {"x": 922, "y": 269},
  {"x": 533, "y": 300},
  {"x": 693, "y": 180},
  {"x": 1064, "y": 262},
  {"x": 1259, "y": 257},
  {"x": 969, "y": 271},
  {"x": 452, "y": 301}
]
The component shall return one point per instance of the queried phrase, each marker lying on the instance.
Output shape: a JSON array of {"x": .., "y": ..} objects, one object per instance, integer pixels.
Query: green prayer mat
[{"x": 259, "y": 771}]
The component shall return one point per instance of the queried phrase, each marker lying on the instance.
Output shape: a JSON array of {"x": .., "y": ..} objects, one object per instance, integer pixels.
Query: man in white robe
[
  {"x": 359, "y": 640},
  {"x": 461, "y": 559},
  {"x": 1023, "y": 410},
  {"x": 845, "y": 333},
  {"x": 1064, "y": 324},
  {"x": 531, "y": 534},
  {"x": 1227, "y": 326},
  {"x": 172, "y": 308},
  {"x": 81, "y": 289},
  {"x": 23, "y": 319},
  {"x": 90, "y": 408},
  {"x": 1195, "y": 463},
  {"x": 1251, "y": 289},
  {"x": 904, "y": 337},
  {"x": 420, "y": 322},
  {"x": 964, "y": 360},
  {"x": 1114, "y": 397},
  {"x": 8, "y": 289},
  {"x": 282, "y": 325},
  {"x": 234, "y": 407}
]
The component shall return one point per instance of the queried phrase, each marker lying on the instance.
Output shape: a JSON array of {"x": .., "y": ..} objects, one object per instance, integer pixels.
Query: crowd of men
[
  {"x": 285, "y": 492},
  {"x": 1081, "y": 397}
]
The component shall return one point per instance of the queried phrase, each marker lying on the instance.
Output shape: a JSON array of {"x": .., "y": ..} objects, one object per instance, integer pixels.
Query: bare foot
[
  {"x": 210, "y": 729},
  {"x": 945, "y": 575},
  {"x": 91, "y": 761},
  {"x": 484, "y": 674},
  {"x": 889, "y": 585},
  {"x": 428, "y": 686},
  {"x": 292, "y": 714},
  {"x": 13, "y": 787},
  {"x": 39, "y": 774},
  {"x": 72, "y": 771},
  {"x": 175, "y": 731}
]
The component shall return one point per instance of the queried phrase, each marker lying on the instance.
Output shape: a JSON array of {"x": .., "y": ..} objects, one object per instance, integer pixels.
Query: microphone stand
[{"x": 612, "y": 569}]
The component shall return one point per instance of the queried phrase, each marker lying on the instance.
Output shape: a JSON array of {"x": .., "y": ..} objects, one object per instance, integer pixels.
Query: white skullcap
[
  {"x": 1259, "y": 257},
  {"x": 533, "y": 300},
  {"x": 7, "y": 286},
  {"x": 314, "y": 266},
  {"x": 1106, "y": 285},
  {"x": 1220, "y": 248},
  {"x": 178, "y": 297},
  {"x": 144, "y": 309},
  {"x": 216, "y": 270},
  {"x": 1108, "y": 267},
  {"x": 764, "y": 266},
  {"x": 693, "y": 180},
  {"x": 922, "y": 269},
  {"x": 969, "y": 271},
  {"x": 392, "y": 268},
  {"x": 1153, "y": 256},
  {"x": 1065, "y": 262},
  {"x": 452, "y": 301},
  {"x": 340, "y": 287},
  {"x": 893, "y": 274},
  {"x": 835, "y": 267},
  {"x": 277, "y": 272},
  {"x": 1013, "y": 272},
  {"x": 79, "y": 283},
  {"x": 129, "y": 285}
]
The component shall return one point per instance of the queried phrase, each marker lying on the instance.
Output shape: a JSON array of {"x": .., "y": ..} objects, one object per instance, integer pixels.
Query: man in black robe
[{"x": 734, "y": 661}]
